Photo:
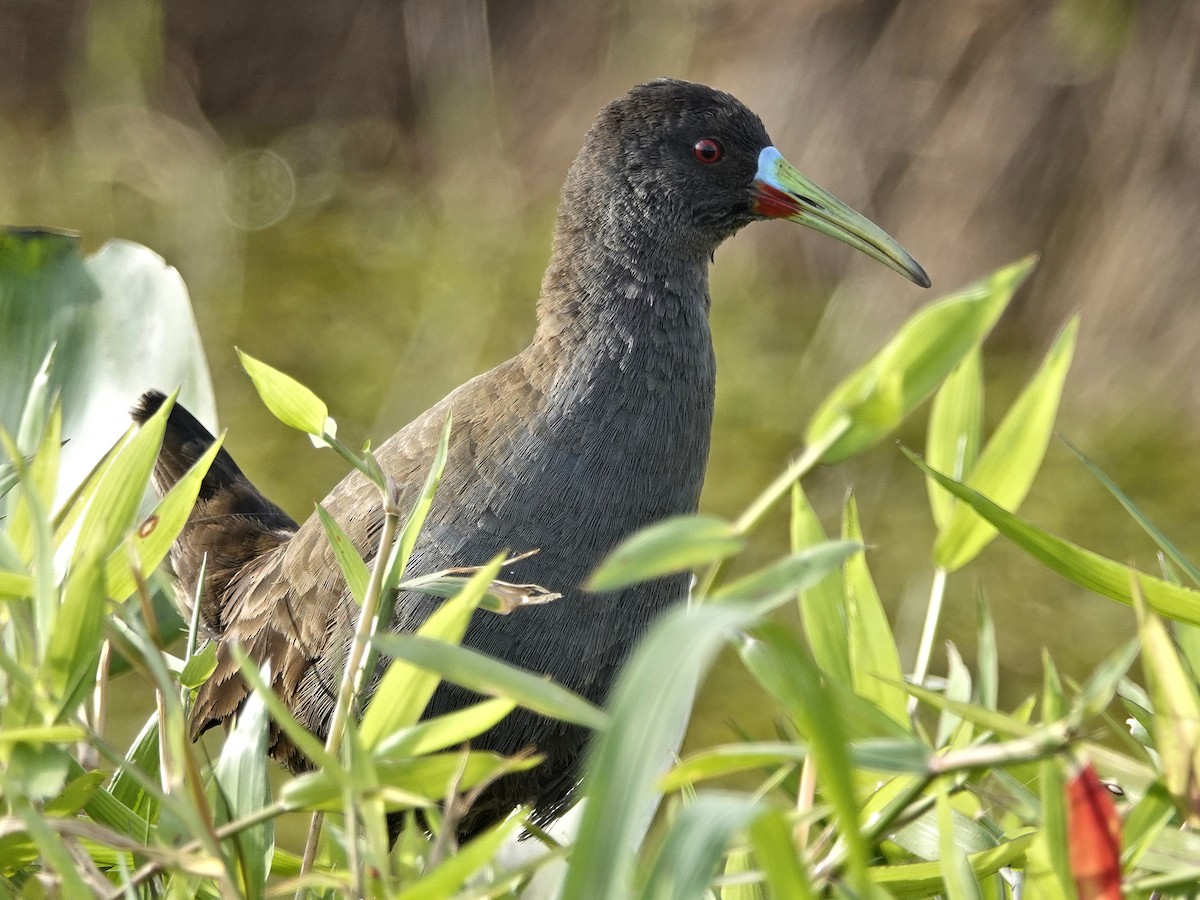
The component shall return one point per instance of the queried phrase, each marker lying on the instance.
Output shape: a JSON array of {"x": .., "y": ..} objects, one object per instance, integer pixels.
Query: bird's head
[{"x": 686, "y": 166}]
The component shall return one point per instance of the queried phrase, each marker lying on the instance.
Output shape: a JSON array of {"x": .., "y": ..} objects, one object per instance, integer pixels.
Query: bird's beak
[{"x": 781, "y": 192}]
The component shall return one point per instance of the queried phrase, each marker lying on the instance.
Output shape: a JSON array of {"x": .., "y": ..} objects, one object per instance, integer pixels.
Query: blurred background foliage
[{"x": 362, "y": 193}]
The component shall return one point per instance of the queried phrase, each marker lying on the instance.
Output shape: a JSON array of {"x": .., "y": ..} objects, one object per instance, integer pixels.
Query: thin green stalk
[
  {"x": 933, "y": 615},
  {"x": 774, "y": 492},
  {"x": 352, "y": 674}
]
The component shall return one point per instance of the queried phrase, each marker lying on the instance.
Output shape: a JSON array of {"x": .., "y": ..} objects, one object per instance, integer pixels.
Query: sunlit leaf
[
  {"x": 909, "y": 368},
  {"x": 955, "y": 430},
  {"x": 874, "y": 660},
  {"x": 695, "y": 844},
  {"x": 1083, "y": 567},
  {"x": 288, "y": 400},
  {"x": 822, "y": 605},
  {"x": 1012, "y": 457},
  {"x": 673, "y": 545}
]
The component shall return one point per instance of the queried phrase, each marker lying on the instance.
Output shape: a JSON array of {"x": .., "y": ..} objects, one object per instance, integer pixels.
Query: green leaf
[
  {"x": 288, "y": 400},
  {"x": 785, "y": 578},
  {"x": 199, "y": 666},
  {"x": 955, "y": 430},
  {"x": 673, "y": 545},
  {"x": 1176, "y": 712},
  {"x": 925, "y": 879},
  {"x": 822, "y": 605},
  {"x": 118, "y": 494},
  {"x": 779, "y": 663},
  {"x": 649, "y": 706},
  {"x": 449, "y": 730},
  {"x": 405, "y": 690},
  {"x": 874, "y": 660},
  {"x": 354, "y": 570},
  {"x": 449, "y": 877},
  {"x": 1164, "y": 543},
  {"x": 956, "y": 869},
  {"x": 408, "y": 782},
  {"x": 241, "y": 786},
  {"x": 693, "y": 848},
  {"x": 775, "y": 849},
  {"x": 909, "y": 368},
  {"x": 15, "y": 585},
  {"x": 1087, "y": 569},
  {"x": 486, "y": 675},
  {"x": 152, "y": 540},
  {"x": 1012, "y": 457}
]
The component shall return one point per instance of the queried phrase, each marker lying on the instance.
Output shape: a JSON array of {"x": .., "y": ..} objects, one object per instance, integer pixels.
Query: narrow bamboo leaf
[
  {"x": 1012, "y": 457},
  {"x": 289, "y": 401},
  {"x": 780, "y": 664},
  {"x": 401, "y": 550},
  {"x": 987, "y": 660},
  {"x": 141, "y": 758},
  {"x": 15, "y": 585},
  {"x": 914, "y": 880},
  {"x": 42, "y": 734},
  {"x": 404, "y": 690},
  {"x": 449, "y": 730},
  {"x": 448, "y": 879},
  {"x": 304, "y": 739},
  {"x": 241, "y": 786},
  {"x": 74, "y": 648},
  {"x": 693, "y": 848},
  {"x": 650, "y": 705},
  {"x": 407, "y": 783},
  {"x": 1165, "y": 544},
  {"x": 416, "y": 519},
  {"x": 1049, "y": 866},
  {"x": 1176, "y": 725},
  {"x": 775, "y": 849},
  {"x": 75, "y": 795},
  {"x": 955, "y": 430},
  {"x": 785, "y": 578},
  {"x": 152, "y": 540},
  {"x": 354, "y": 570},
  {"x": 958, "y": 687},
  {"x": 874, "y": 660},
  {"x": 924, "y": 836},
  {"x": 729, "y": 759},
  {"x": 823, "y": 605},
  {"x": 199, "y": 666},
  {"x": 957, "y": 876},
  {"x": 735, "y": 875},
  {"x": 673, "y": 545},
  {"x": 885, "y": 755},
  {"x": 1087, "y": 569},
  {"x": 1144, "y": 823},
  {"x": 54, "y": 854},
  {"x": 490, "y": 676},
  {"x": 117, "y": 496},
  {"x": 909, "y": 368}
]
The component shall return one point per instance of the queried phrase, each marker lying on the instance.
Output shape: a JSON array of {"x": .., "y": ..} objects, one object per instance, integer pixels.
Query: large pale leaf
[{"x": 122, "y": 324}]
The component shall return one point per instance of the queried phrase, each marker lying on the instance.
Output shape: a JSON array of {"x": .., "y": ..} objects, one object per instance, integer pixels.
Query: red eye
[{"x": 708, "y": 151}]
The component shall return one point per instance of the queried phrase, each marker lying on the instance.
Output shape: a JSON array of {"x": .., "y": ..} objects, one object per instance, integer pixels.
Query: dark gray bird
[{"x": 598, "y": 428}]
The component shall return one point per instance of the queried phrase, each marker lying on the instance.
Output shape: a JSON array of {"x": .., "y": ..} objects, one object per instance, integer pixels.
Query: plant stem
[
  {"x": 754, "y": 514},
  {"x": 352, "y": 674},
  {"x": 933, "y": 614}
]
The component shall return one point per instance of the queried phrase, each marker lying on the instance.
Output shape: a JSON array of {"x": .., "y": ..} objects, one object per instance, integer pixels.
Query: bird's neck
[{"x": 624, "y": 360}]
